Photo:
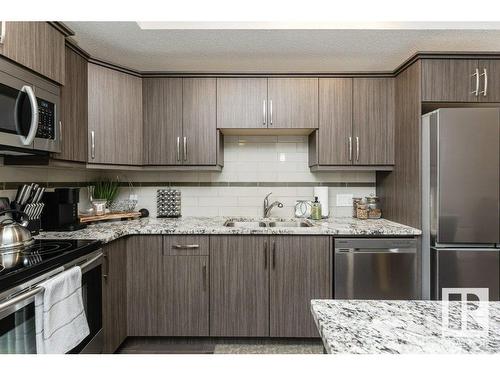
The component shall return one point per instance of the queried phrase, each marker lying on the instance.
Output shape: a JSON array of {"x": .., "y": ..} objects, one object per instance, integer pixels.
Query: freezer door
[
  {"x": 466, "y": 268},
  {"x": 468, "y": 167}
]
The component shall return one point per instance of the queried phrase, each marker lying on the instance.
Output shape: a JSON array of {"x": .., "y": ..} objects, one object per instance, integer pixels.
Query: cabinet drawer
[{"x": 185, "y": 245}]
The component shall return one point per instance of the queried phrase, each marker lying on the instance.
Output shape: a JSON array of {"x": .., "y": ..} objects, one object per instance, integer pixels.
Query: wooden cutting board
[{"x": 110, "y": 216}]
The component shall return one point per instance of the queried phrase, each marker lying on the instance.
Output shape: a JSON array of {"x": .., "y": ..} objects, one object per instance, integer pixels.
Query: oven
[
  {"x": 17, "y": 309},
  {"x": 29, "y": 105}
]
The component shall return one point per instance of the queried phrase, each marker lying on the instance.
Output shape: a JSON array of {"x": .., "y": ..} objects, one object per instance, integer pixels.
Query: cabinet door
[
  {"x": 489, "y": 79},
  {"x": 335, "y": 121},
  {"x": 449, "y": 80},
  {"x": 162, "y": 103},
  {"x": 74, "y": 115},
  {"x": 373, "y": 121},
  {"x": 114, "y": 285},
  {"x": 239, "y": 286},
  {"x": 184, "y": 298},
  {"x": 293, "y": 103},
  {"x": 144, "y": 283},
  {"x": 115, "y": 117},
  {"x": 37, "y": 46},
  {"x": 300, "y": 271},
  {"x": 199, "y": 121},
  {"x": 241, "y": 103}
]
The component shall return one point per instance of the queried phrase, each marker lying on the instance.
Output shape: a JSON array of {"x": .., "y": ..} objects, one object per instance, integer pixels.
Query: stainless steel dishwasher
[{"x": 380, "y": 268}]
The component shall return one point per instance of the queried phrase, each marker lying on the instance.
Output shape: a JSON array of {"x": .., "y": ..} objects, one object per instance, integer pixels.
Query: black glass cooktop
[{"x": 41, "y": 257}]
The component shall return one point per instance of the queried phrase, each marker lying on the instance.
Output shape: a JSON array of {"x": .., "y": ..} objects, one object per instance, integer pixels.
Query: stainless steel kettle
[{"x": 14, "y": 236}]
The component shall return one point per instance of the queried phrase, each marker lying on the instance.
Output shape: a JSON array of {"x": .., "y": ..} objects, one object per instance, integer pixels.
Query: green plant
[{"x": 106, "y": 189}]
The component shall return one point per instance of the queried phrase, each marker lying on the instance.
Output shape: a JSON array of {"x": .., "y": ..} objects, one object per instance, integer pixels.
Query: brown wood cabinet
[
  {"x": 356, "y": 123},
  {"x": 180, "y": 122},
  {"x": 461, "y": 80},
  {"x": 239, "y": 286},
  {"x": 37, "y": 46},
  {"x": 114, "y": 288},
  {"x": 162, "y": 103},
  {"x": 293, "y": 103},
  {"x": 300, "y": 271},
  {"x": 241, "y": 103},
  {"x": 184, "y": 298},
  {"x": 144, "y": 278},
  {"x": 114, "y": 116},
  {"x": 373, "y": 121},
  {"x": 73, "y": 109}
]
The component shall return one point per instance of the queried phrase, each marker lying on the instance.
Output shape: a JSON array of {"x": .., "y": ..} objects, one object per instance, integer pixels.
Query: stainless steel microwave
[{"x": 29, "y": 112}]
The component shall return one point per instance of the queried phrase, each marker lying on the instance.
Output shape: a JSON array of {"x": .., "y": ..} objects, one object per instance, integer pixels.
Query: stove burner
[{"x": 46, "y": 248}]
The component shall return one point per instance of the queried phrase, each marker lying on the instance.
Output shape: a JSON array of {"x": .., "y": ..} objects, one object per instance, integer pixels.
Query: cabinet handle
[
  {"x": 60, "y": 130},
  {"x": 274, "y": 255},
  {"x": 271, "y": 112},
  {"x": 2, "y": 32},
  {"x": 357, "y": 148},
  {"x": 265, "y": 255},
  {"x": 186, "y": 247},
  {"x": 106, "y": 261},
  {"x": 204, "y": 274},
  {"x": 264, "y": 113},
  {"x": 350, "y": 148},
  {"x": 476, "y": 91},
  {"x": 92, "y": 144},
  {"x": 485, "y": 74},
  {"x": 185, "y": 149},
  {"x": 178, "y": 148}
]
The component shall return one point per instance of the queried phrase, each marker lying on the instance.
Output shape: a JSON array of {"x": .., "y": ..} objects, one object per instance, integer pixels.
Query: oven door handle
[
  {"x": 88, "y": 265},
  {"x": 34, "y": 116},
  {"x": 19, "y": 298}
]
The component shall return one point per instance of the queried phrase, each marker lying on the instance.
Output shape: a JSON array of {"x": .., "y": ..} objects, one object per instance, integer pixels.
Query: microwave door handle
[{"x": 34, "y": 116}]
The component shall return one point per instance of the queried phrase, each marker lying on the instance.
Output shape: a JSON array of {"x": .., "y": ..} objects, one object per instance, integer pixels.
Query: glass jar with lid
[{"x": 374, "y": 211}]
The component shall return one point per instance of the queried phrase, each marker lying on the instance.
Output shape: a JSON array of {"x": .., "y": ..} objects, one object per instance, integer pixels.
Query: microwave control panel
[{"x": 46, "y": 119}]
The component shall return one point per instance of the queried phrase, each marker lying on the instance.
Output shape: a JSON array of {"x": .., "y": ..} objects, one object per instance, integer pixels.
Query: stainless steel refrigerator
[{"x": 461, "y": 200}]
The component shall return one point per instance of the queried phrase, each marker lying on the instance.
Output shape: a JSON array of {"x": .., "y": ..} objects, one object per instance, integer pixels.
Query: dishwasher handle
[{"x": 394, "y": 250}]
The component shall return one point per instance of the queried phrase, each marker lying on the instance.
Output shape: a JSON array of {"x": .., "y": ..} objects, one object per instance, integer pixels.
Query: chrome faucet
[{"x": 268, "y": 207}]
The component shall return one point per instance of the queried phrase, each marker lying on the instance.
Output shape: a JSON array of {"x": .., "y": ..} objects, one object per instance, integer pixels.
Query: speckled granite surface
[
  {"x": 215, "y": 225},
  {"x": 398, "y": 327}
]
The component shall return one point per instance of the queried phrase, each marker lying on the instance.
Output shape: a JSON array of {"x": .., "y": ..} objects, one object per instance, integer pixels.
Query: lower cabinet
[
  {"x": 262, "y": 286},
  {"x": 301, "y": 270},
  {"x": 239, "y": 286},
  {"x": 114, "y": 295}
]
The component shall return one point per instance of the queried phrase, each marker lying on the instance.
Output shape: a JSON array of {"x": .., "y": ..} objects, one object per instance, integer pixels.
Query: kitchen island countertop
[
  {"x": 110, "y": 231},
  {"x": 400, "y": 327}
]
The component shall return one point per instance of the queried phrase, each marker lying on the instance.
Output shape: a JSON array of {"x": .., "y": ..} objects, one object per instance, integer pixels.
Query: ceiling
[{"x": 271, "y": 50}]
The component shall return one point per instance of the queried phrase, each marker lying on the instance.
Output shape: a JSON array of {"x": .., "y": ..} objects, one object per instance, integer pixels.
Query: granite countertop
[
  {"x": 400, "y": 327},
  {"x": 109, "y": 231}
]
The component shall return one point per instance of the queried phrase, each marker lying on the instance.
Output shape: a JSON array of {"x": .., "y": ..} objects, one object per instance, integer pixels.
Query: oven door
[
  {"x": 18, "y": 112},
  {"x": 17, "y": 323}
]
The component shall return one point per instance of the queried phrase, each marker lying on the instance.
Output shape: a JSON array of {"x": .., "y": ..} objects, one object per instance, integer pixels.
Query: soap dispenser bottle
[{"x": 316, "y": 209}]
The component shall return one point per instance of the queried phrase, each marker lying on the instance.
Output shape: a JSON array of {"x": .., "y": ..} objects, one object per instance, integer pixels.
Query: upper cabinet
[
  {"x": 356, "y": 123},
  {"x": 36, "y": 45},
  {"x": 180, "y": 122},
  {"x": 241, "y": 103},
  {"x": 273, "y": 103},
  {"x": 114, "y": 117},
  {"x": 73, "y": 109},
  {"x": 459, "y": 80}
]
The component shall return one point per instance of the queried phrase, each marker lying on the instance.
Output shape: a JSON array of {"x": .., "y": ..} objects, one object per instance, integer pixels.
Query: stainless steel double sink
[{"x": 302, "y": 223}]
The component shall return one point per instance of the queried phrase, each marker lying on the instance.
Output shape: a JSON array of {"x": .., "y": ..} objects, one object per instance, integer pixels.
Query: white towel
[{"x": 60, "y": 319}]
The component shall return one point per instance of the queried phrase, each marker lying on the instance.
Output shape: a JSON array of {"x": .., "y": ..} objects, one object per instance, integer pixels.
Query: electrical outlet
[{"x": 344, "y": 200}]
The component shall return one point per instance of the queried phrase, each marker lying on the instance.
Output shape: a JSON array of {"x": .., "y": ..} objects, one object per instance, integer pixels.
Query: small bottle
[{"x": 316, "y": 209}]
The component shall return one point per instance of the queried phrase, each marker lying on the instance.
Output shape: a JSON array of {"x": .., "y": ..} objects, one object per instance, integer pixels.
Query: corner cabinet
[
  {"x": 114, "y": 117},
  {"x": 114, "y": 296},
  {"x": 180, "y": 122},
  {"x": 461, "y": 80},
  {"x": 36, "y": 45},
  {"x": 267, "y": 103},
  {"x": 356, "y": 123}
]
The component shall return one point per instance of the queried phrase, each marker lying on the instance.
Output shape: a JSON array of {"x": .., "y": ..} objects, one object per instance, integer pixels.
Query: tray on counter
[{"x": 110, "y": 216}]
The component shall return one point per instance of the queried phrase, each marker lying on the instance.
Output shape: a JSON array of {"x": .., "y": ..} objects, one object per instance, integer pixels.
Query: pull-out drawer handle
[{"x": 185, "y": 247}]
